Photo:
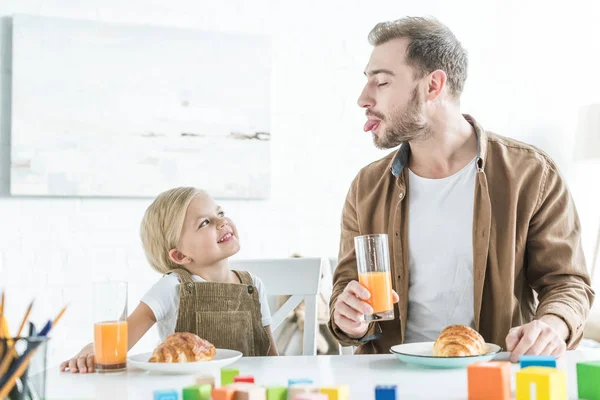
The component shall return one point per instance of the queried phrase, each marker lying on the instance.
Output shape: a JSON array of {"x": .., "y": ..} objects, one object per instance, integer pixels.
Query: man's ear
[{"x": 436, "y": 83}]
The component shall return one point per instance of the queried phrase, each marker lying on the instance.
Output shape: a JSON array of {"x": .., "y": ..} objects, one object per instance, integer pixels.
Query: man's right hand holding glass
[{"x": 350, "y": 308}]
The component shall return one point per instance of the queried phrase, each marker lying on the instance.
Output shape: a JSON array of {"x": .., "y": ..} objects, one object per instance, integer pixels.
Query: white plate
[
  {"x": 422, "y": 354},
  {"x": 222, "y": 358}
]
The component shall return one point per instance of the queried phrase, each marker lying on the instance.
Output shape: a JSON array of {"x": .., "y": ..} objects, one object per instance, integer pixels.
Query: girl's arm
[
  {"x": 272, "y": 349},
  {"x": 138, "y": 323}
]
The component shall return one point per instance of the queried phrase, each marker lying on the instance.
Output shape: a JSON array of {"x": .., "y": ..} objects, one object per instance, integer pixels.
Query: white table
[{"x": 360, "y": 373}]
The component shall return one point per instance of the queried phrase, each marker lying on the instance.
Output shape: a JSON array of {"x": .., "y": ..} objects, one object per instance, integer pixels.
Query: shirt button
[{"x": 250, "y": 290}]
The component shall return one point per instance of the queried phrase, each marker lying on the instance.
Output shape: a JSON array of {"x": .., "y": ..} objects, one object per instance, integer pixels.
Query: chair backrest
[
  {"x": 296, "y": 277},
  {"x": 333, "y": 261},
  {"x": 343, "y": 350}
]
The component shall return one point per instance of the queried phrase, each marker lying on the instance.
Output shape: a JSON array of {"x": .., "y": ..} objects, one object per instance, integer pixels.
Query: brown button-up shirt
[{"x": 527, "y": 255}]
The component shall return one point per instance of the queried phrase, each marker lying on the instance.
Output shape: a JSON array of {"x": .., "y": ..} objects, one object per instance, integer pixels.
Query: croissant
[
  {"x": 459, "y": 341},
  {"x": 181, "y": 347}
]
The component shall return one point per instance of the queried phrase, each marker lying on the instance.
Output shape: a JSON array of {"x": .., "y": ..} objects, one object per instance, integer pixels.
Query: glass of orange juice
[
  {"x": 110, "y": 326},
  {"x": 373, "y": 264}
]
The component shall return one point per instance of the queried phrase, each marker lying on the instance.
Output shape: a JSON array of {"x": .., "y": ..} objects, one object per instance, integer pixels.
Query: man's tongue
[{"x": 371, "y": 124}]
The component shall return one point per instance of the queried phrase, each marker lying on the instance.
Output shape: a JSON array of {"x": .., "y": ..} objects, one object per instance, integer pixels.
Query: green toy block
[
  {"x": 197, "y": 392},
  {"x": 277, "y": 393},
  {"x": 588, "y": 380},
  {"x": 227, "y": 375}
]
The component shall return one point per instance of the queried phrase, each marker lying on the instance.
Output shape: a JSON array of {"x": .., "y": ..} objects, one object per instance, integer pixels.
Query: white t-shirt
[
  {"x": 440, "y": 253},
  {"x": 163, "y": 300}
]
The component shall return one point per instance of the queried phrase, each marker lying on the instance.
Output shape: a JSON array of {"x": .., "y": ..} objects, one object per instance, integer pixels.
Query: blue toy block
[
  {"x": 537, "y": 361},
  {"x": 386, "y": 392},
  {"x": 166, "y": 395},
  {"x": 300, "y": 381}
]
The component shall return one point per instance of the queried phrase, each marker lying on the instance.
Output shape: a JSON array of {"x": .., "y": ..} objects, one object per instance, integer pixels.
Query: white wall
[{"x": 531, "y": 66}]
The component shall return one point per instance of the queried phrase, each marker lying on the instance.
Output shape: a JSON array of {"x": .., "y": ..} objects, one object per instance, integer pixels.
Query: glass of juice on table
[
  {"x": 373, "y": 263},
  {"x": 110, "y": 326}
]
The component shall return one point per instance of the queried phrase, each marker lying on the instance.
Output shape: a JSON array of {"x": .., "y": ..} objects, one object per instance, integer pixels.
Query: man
[{"x": 482, "y": 229}]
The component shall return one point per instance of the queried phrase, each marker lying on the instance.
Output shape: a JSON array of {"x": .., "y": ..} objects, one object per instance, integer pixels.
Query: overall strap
[
  {"x": 184, "y": 275},
  {"x": 245, "y": 277}
]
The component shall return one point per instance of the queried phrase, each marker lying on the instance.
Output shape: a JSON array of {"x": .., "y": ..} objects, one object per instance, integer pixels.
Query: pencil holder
[{"x": 26, "y": 372}]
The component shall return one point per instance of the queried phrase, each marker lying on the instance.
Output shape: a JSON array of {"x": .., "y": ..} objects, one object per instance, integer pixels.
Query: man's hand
[
  {"x": 545, "y": 336},
  {"x": 350, "y": 308}
]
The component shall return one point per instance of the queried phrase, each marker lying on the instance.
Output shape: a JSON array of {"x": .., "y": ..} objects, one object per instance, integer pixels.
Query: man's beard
[{"x": 405, "y": 127}]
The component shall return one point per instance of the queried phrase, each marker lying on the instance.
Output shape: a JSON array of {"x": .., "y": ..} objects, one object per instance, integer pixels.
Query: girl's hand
[
  {"x": 82, "y": 362},
  {"x": 138, "y": 323}
]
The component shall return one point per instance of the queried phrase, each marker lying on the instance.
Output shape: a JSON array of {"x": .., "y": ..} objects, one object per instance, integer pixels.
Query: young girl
[{"x": 187, "y": 237}]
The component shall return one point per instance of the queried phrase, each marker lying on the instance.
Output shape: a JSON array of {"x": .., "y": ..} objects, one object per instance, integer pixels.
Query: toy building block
[
  {"x": 197, "y": 392},
  {"x": 547, "y": 383},
  {"x": 537, "y": 361},
  {"x": 249, "y": 392},
  {"x": 246, "y": 378},
  {"x": 336, "y": 392},
  {"x": 386, "y": 392},
  {"x": 166, "y": 395},
  {"x": 206, "y": 380},
  {"x": 241, "y": 385},
  {"x": 297, "y": 389},
  {"x": 311, "y": 396},
  {"x": 227, "y": 375},
  {"x": 489, "y": 380},
  {"x": 223, "y": 393},
  {"x": 301, "y": 381},
  {"x": 277, "y": 393},
  {"x": 588, "y": 380}
]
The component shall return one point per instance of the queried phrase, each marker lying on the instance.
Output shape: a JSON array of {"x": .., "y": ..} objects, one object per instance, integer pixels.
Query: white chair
[
  {"x": 343, "y": 350},
  {"x": 298, "y": 277}
]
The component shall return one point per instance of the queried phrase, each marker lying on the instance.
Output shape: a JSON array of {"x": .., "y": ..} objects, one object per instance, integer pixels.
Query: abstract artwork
[{"x": 103, "y": 109}]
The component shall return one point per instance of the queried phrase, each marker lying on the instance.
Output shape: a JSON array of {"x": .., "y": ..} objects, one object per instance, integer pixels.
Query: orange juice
[
  {"x": 380, "y": 286},
  {"x": 110, "y": 345}
]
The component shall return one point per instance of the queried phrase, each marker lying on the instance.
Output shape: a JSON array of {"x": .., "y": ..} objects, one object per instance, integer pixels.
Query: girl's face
[{"x": 208, "y": 236}]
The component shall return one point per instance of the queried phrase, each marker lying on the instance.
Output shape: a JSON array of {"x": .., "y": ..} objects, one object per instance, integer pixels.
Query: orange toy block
[
  {"x": 489, "y": 380},
  {"x": 223, "y": 393},
  {"x": 336, "y": 393}
]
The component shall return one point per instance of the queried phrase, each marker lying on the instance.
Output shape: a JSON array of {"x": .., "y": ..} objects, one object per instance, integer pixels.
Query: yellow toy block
[
  {"x": 547, "y": 384},
  {"x": 336, "y": 393}
]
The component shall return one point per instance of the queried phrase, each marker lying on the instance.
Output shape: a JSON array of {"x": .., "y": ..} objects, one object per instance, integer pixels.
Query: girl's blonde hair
[{"x": 162, "y": 225}]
